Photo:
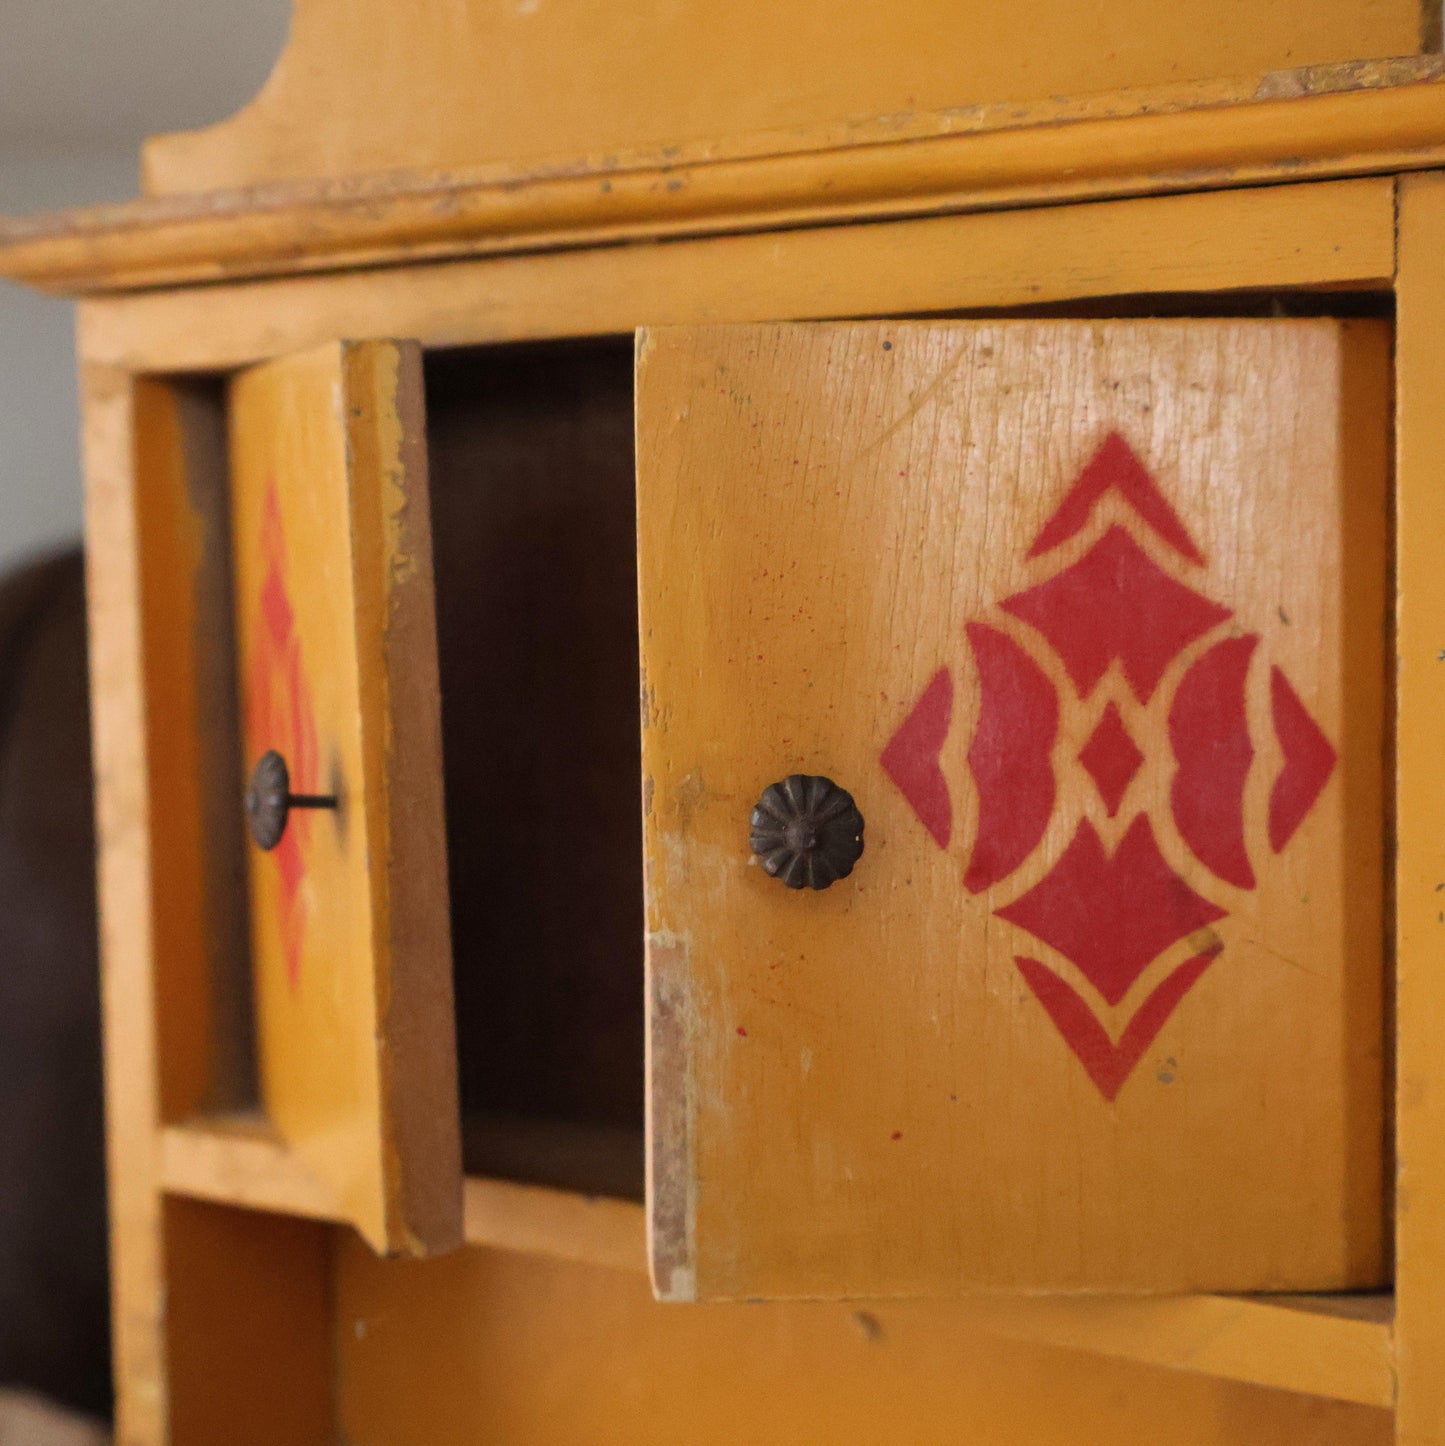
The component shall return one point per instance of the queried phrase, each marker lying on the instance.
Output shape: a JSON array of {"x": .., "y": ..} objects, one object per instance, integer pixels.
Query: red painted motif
[
  {"x": 1115, "y": 467},
  {"x": 280, "y": 715},
  {"x": 911, "y": 758},
  {"x": 1009, "y": 756},
  {"x": 1309, "y": 759},
  {"x": 1210, "y": 739},
  {"x": 1111, "y": 913},
  {"x": 1109, "y": 1064},
  {"x": 1116, "y": 605},
  {"x": 1111, "y": 758},
  {"x": 275, "y": 605}
]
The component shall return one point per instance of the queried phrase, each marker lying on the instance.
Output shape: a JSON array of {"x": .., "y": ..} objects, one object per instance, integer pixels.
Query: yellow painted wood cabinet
[{"x": 1033, "y": 512}]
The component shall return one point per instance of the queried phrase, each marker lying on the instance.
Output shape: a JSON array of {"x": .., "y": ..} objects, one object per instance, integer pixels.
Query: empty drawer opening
[{"x": 531, "y": 454}]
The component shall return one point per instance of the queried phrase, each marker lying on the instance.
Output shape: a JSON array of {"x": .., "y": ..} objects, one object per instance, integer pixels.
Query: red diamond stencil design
[
  {"x": 1111, "y": 915},
  {"x": 1112, "y": 758},
  {"x": 1210, "y": 739},
  {"x": 1114, "y": 467},
  {"x": 1309, "y": 759},
  {"x": 911, "y": 758},
  {"x": 280, "y": 714},
  {"x": 1009, "y": 757},
  {"x": 1116, "y": 604},
  {"x": 1110, "y": 911}
]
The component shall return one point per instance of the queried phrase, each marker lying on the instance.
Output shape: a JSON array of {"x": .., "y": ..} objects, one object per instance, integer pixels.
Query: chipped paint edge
[{"x": 671, "y": 1200}]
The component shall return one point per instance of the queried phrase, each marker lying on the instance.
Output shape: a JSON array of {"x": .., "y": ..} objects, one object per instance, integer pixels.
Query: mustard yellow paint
[
  {"x": 315, "y": 474},
  {"x": 854, "y": 1093}
]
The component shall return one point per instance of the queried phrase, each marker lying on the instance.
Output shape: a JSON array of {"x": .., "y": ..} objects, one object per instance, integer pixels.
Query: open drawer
[
  {"x": 1086, "y": 619},
  {"x": 1051, "y": 655},
  {"x": 337, "y": 677},
  {"x": 327, "y": 594}
]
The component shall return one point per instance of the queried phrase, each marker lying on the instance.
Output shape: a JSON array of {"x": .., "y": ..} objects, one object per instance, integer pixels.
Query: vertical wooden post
[
  {"x": 122, "y": 817},
  {"x": 221, "y": 1321},
  {"x": 1420, "y": 803}
]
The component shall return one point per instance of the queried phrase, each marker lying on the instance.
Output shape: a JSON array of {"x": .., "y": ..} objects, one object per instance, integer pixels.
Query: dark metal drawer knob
[
  {"x": 269, "y": 800},
  {"x": 807, "y": 832}
]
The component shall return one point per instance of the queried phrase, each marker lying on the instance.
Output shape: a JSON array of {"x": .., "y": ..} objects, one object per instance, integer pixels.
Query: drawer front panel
[
  {"x": 1090, "y": 621},
  {"x": 337, "y": 654}
]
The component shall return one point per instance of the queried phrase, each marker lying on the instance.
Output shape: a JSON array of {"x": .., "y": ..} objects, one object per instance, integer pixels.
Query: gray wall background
[{"x": 82, "y": 82}]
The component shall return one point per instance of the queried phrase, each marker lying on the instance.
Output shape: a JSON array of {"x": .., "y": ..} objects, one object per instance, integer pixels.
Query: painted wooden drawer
[
  {"x": 336, "y": 652},
  {"x": 444, "y": 970},
  {"x": 1089, "y": 620}
]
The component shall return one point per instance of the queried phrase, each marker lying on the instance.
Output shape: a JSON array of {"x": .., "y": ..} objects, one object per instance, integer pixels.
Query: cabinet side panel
[{"x": 118, "y": 713}]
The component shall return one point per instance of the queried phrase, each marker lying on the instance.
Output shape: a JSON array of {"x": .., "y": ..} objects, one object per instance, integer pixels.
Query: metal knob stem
[{"x": 269, "y": 800}]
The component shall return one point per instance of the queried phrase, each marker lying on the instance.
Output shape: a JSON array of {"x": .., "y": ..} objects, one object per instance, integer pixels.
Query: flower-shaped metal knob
[
  {"x": 269, "y": 800},
  {"x": 807, "y": 832}
]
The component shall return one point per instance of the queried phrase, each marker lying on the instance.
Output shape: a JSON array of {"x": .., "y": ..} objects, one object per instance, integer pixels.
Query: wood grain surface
[
  {"x": 902, "y": 1086},
  {"x": 367, "y": 89},
  {"x": 545, "y": 1351},
  {"x": 1333, "y": 236}
]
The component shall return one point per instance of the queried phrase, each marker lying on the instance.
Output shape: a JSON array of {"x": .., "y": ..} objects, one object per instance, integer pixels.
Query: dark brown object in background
[{"x": 54, "y": 1317}]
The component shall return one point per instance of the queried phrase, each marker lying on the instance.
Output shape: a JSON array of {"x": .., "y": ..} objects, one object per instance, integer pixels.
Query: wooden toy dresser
[{"x": 984, "y": 979}]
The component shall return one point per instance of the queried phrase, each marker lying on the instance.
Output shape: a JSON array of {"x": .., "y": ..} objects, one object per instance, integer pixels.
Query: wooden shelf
[
  {"x": 240, "y": 1160},
  {"x": 536, "y": 1220},
  {"x": 1337, "y": 1346}
]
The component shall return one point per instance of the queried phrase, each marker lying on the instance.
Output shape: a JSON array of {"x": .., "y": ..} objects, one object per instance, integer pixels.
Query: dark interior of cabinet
[{"x": 531, "y": 455}]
